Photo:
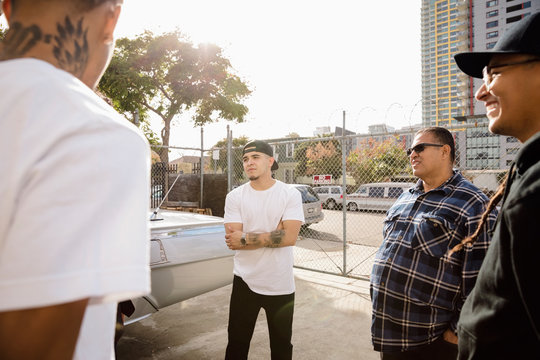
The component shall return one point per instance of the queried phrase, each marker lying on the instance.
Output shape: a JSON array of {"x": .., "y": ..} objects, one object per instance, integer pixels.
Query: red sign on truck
[{"x": 322, "y": 179}]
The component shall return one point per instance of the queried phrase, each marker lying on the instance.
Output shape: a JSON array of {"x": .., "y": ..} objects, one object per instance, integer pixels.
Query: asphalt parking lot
[{"x": 332, "y": 321}]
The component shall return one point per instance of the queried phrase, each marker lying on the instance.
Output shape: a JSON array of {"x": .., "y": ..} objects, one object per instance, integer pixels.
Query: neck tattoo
[
  {"x": 19, "y": 40},
  {"x": 69, "y": 45}
]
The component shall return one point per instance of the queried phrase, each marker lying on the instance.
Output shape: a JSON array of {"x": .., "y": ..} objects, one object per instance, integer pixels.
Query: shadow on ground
[{"x": 331, "y": 321}]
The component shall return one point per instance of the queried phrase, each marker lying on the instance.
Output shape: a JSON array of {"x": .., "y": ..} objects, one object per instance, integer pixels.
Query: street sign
[{"x": 322, "y": 179}]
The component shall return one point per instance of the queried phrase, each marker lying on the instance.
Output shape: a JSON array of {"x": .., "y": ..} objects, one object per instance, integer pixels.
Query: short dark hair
[
  {"x": 87, "y": 5},
  {"x": 444, "y": 136},
  {"x": 79, "y": 5}
]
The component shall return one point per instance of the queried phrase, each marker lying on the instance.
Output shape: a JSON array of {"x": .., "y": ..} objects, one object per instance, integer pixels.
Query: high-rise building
[
  {"x": 487, "y": 21},
  {"x": 452, "y": 26},
  {"x": 443, "y": 33},
  {"x": 449, "y": 27}
]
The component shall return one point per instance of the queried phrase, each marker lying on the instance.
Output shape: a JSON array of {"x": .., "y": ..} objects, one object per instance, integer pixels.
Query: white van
[
  {"x": 376, "y": 196},
  {"x": 311, "y": 203},
  {"x": 330, "y": 195}
]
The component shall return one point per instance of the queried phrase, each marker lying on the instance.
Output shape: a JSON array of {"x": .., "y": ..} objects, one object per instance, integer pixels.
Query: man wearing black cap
[
  {"x": 501, "y": 317},
  {"x": 262, "y": 221}
]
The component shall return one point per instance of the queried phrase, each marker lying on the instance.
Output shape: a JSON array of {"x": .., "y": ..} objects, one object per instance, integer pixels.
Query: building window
[
  {"x": 524, "y": 5},
  {"x": 490, "y": 45},
  {"x": 492, "y": 24},
  {"x": 290, "y": 150},
  {"x": 492, "y": 3},
  {"x": 492, "y": 34},
  {"x": 288, "y": 177},
  {"x": 514, "y": 19},
  {"x": 492, "y": 13}
]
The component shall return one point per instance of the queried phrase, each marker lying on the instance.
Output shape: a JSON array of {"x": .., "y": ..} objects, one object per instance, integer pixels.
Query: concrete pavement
[{"x": 332, "y": 321}]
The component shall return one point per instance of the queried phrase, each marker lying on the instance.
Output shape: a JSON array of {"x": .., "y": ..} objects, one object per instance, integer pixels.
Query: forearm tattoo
[
  {"x": 70, "y": 47},
  {"x": 276, "y": 238},
  {"x": 273, "y": 241},
  {"x": 253, "y": 239}
]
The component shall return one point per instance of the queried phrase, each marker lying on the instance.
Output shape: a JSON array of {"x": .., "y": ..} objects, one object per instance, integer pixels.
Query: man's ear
[
  {"x": 447, "y": 149},
  {"x": 6, "y": 8},
  {"x": 111, "y": 19}
]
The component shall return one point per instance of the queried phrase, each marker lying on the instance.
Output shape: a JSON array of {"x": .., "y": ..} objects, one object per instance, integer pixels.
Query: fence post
[
  {"x": 344, "y": 204},
  {"x": 202, "y": 169},
  {"x": 229, "y": 159}
]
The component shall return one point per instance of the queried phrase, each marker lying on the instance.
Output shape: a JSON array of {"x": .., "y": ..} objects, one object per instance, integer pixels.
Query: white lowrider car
[{"x": 188, "y": 257}]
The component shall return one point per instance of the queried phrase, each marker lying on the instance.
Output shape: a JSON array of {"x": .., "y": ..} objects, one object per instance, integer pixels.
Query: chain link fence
[{"x": 351, "y": 180}]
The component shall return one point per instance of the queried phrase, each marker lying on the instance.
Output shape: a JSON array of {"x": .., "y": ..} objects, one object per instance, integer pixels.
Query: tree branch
[
  {"x": 149, "y": 107},
  {"x": 162, "y": 89}
]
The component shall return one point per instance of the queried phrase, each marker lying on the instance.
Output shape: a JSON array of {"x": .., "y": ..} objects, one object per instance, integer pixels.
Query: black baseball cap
[
  {"x": 521, "y": 38},
  {"x": 262, "y": 147}
]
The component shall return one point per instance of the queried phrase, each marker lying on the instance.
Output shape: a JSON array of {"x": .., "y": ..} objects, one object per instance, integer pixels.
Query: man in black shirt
[{"x": 501, "y": 317}]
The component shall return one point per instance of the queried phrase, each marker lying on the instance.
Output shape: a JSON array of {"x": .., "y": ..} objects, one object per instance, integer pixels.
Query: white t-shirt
[
  {"x": 267, "y": 271},
  {"x": 74, "y": 190}
]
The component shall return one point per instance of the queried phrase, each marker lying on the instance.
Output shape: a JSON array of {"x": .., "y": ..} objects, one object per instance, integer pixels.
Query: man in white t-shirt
[
  {"x": 74, "y": 185},
  {"x": 262, "y": 222}
]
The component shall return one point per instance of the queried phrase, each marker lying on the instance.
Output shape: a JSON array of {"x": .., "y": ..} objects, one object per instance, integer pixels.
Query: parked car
[
  {"x": 376, "y": 196},
  {"x": 330, "y": 195},
  {"x": 188, "y": 257},
  {"x": 157, "y": 192},
  {"x": 311, "y": 203}
]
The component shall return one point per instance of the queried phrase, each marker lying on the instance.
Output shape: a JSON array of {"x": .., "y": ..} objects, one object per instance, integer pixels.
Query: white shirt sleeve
[
  {"x": 233, "y": 213},
  {"x": 80, "y": 227},
  {"x": 294, "y": 209}
]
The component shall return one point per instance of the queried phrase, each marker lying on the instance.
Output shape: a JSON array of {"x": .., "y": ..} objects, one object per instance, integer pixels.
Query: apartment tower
[{"x": 452, "y": 26}]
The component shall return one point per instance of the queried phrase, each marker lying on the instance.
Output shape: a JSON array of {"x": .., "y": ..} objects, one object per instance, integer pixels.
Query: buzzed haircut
[
  {"x": 80, "y": 6},
  {"x": 444, "y": 136}
]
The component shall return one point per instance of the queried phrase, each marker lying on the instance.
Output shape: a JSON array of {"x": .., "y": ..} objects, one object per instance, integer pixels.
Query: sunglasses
[{"x": 418, "y": 148}]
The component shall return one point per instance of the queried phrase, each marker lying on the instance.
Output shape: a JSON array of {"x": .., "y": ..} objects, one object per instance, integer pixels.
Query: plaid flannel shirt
[{"x": 417, "y": 288}]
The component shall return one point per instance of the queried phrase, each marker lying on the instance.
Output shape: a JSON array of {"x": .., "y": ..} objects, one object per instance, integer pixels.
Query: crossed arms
[{"x": 285, "y": 235}]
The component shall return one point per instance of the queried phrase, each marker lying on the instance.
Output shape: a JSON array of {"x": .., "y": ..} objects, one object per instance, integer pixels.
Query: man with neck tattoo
[
  {"x": 262, "y": 222},
  {"x": 74, "y": 185}
]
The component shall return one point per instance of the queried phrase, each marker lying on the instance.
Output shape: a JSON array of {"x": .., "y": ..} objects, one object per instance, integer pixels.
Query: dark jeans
[
  {"x": 437, "y": 350},
  {"x": 244, "y": 309}
]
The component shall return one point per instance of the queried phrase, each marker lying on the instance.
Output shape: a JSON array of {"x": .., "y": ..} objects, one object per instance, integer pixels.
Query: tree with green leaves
[
  {"x": 375, "y": 161},
  {"x": 318, "y": 157},
  {"x": 167, "y": 75},
  {"x": 2, "y": 32},
  {"x": 236, "y": 158}
]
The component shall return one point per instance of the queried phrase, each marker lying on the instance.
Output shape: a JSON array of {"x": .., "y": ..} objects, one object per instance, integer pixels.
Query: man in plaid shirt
[{"x": 418, "y": 285}]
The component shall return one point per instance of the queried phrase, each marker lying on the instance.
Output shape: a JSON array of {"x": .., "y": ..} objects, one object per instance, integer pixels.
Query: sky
[{"x": 306, "y": 61}]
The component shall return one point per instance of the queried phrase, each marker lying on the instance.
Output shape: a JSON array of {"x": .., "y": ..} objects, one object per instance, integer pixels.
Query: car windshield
[{"x": 308, "y": 195}]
